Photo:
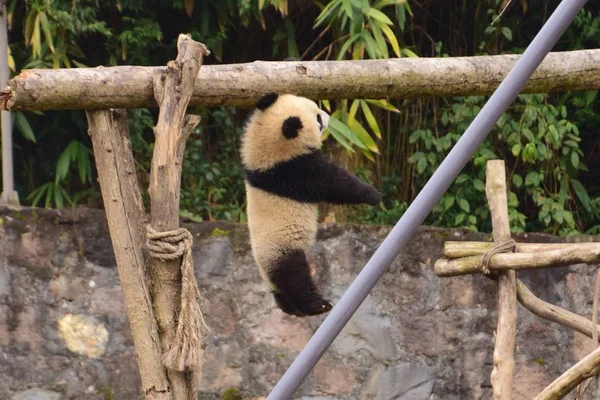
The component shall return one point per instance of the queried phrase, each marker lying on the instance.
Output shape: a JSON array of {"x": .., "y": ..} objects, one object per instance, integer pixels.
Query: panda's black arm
[{"x": 313, "y": 178}]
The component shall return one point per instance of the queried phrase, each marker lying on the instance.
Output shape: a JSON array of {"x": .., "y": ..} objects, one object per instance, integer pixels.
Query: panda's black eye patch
[
  {"x": 291, "y": 126},
  {"x": 320, "y": 121}
]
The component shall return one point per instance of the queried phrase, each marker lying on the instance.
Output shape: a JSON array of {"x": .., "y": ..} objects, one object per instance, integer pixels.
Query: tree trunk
[
  {"x": 242, "y": 84},
  {"x": 504, "y": 351},
  {"x": 126, "y": 221},
  {"x": 173, "y": 88}
]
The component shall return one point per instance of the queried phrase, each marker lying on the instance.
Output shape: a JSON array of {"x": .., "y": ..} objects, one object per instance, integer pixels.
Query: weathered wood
[
  {"x": 553, "y": 313},
  {"x": 504, "y": 362},
  {"x": 126, "y": 222},
  {"x": 467, "y": 249},
  {"x": 563, "y": 385},
  {"x": 173, "y": 88},
  {"x": 242, "y": 84},
  {"x": 573, "y": 254}
]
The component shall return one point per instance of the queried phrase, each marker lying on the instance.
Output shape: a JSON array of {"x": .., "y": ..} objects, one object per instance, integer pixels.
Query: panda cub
[{"x": 286, "y": 175}]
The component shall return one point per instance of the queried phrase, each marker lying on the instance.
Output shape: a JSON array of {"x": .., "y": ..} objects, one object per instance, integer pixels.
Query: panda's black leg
[{"x": 296, "y": 293}]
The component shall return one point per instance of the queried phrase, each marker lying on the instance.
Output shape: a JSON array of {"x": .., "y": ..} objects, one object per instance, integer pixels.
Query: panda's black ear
[
  {"x": 291, "y": 126},
  {"x": 267, "y": 101}
]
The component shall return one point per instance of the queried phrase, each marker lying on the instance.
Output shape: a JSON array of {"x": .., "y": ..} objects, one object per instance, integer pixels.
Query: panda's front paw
[
  {"x": 371, "y": 196},
  {"x": 320, "y": 307}
]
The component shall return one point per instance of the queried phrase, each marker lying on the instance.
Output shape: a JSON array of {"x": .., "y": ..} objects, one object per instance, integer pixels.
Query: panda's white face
[{"x": 286, "y": 128}]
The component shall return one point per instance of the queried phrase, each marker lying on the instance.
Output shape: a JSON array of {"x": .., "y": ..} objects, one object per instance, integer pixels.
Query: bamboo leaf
[
  {"x": 339, "y": 137},
  {"x": 369, "y": 44},
  {"x": 370, "y": 118},
  {"x": 380, "y": 40},
  {"x": 352, "y": 112},
  {"x": 409, "y": 52},
  {"x": 346, "y": 132},
  {"x": 391, "y": 38},
  {"x": 46, "y": 28},
  {"x": 379, "y": 16},
  {"x": 347, "y": 6},
  {"x": 383, "y": 104},
  {"x": 364, "y": 136},
  {"x": 329, "y": 8},
  {"x": 36, "y": 40},
  {"x": 24, "y": 126},
  {"x": 347, "y": 44}
]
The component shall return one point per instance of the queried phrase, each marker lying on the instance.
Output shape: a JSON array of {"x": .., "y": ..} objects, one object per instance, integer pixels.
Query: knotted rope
[
  {"x": 509, "y": 245},
  {"x": 186, "y": 349}
]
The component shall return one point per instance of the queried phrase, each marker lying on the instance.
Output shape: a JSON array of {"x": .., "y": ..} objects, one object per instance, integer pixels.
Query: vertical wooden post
[
  {"x": 126, "y": 222},
  {"x": 504, "y": 365},
  {"x": 172, "y": 90}
]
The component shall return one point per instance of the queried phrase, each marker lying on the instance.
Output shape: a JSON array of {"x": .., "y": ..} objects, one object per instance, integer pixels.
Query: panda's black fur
[{"x": 286, "y": 175}]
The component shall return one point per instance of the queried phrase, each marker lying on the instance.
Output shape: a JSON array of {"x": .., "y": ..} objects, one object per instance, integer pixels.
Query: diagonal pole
[{"x": 427, "y": 198}]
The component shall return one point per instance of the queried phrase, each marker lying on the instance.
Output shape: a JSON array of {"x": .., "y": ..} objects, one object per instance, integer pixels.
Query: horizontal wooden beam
[
  {"x": 242, "y": 84},
  {"x": 573, "y": 254},
  {"x": 458, "y": 249}
]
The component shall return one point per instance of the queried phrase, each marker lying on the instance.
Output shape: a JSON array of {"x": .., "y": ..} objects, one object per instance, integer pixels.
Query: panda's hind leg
[{"x": 295, "y": 292}]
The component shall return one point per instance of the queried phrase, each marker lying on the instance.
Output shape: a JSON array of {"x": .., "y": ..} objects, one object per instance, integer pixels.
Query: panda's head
[{"x": 282, "y": 127}]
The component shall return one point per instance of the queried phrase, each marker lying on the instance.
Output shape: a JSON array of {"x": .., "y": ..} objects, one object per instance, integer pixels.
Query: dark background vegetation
[{"x": 550, "y": 142}]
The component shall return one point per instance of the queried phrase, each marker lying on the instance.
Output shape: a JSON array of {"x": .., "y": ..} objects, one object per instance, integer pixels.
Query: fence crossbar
[{"x": 427, "y": 198}]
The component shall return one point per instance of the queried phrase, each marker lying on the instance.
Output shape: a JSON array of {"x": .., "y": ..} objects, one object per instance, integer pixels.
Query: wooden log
[
  {"x": 126, "y": 223},
  {"x": 455, "y": 249},
  {"x": 173, "y": 88},
  {"x": 242, "y": 85},
  {"x": 504, "y": 363},
  {"x": 573, "y": 254},
  {"x": 563, "y": 385},
  {"x": 554, "y": 313}
]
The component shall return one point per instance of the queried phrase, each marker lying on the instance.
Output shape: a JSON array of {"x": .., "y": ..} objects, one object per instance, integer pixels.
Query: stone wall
[{"x": 64, "y": 333}]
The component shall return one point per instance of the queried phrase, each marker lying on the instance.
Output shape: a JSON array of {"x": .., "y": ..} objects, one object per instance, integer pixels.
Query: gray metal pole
[
  {"x": 427, "y": 198},
  {"x": 9, "y": 195}
]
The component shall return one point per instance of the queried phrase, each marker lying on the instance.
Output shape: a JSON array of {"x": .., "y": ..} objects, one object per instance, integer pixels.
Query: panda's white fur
[{"x": 282, "y": 214}]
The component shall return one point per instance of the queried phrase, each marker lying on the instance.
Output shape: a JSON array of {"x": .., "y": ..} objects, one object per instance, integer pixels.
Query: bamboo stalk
[
  {"x": 242, "y": 85},
  {"x": 504, "y": 364}
]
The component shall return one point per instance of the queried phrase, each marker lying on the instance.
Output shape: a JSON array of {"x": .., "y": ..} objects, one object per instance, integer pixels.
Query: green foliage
[
  {"x": 212, "y": 182},
  {"x": 548, "y": 141}
]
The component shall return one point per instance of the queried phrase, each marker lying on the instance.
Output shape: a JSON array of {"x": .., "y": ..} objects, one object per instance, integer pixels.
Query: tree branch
[
  {"x": 553, "y": 313},
  {"x": 504, "y": 362},
  {"x": 572, "y": 254},
  {"x": 578, "y": 373},
  {"x": 126, "y": 220},
  {"x": 242, "y": 84},
  {"x": 467, "y": 249},
  {"x": 173, "y": 88}
]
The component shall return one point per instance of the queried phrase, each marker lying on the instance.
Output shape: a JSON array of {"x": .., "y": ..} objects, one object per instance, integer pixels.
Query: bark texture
[
  {"x": 563, "y": 385},
  {"x": 126, "y": 220},
  {"x": 242, "y": 84},
  {"x": 468, "y": 249},
  {"x": 554, "y": 313},
  {"x": 504, "y": 350},
  {"x": 172, "y": 88},
  {"x": 568, "y": 255}
]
